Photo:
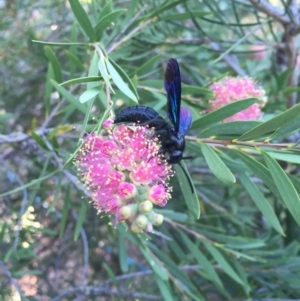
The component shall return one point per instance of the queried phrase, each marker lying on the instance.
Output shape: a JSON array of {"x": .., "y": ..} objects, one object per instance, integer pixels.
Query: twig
[
  {"x": 272, "y": 11},
  {"x": 228, "y": 143},
  {"x": 128, "y": 25},
  {"x": 129, "y": 35},
  {"x": 12, "y": 280}
]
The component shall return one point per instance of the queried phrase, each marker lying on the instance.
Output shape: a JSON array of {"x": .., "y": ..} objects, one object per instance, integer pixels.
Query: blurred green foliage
[{"x": 63, "y": 64}]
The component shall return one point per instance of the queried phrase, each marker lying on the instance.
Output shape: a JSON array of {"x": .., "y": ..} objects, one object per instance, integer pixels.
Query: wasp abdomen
[{"x": 142, "y": 115}]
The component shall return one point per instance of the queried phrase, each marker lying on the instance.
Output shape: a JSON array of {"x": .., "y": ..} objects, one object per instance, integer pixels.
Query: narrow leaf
[
  {"x": 223, "y": 113},
  {"x": 65, "y": 211},
  {"x": 216, "y": 254},
  {"x": 285, "y": 187},
  {"x": 272, "y": 124},
  {"x": 75, "y": 62},
  {"x": 147, "y": 65},
  {"x": 87, "y": 79},
  {"x": 156, "y": 267},
  {"x": 80, "y": 219},
  {"x": 164, "y": 289},
  {"x": 260, "y": 171},
  {"x": 191, "y": 199},
  {"x": 216, "y": 165},
  {"x": 88, "y": 95},
  {"x": 125, "y": 77},
  {"x": 65, "y": 93},
  {"x": 202, "y": 259},
  {"x": 235, "y": 128},
  {"x": 117, "y": 79},
  {"x": 103, "y": 71},
  {"x": 261, "y": 202},
  {"x": 54, "y": 63},
  {"x": 83, "y": 19},
  {"x": 106, "y": 21}
]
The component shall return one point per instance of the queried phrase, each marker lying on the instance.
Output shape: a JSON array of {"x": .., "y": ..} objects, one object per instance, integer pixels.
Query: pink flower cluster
[
  {"x": 125, "y": 175},
  {"x": 232, "y": 89}
]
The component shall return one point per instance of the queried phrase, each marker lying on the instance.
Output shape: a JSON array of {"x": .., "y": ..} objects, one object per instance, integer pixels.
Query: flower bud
[
  {"x": 135, "y": 229},
  {"x": 141, "y": 221},
  {"x": 155, "y": 218},
  {"x": 145, "y": 207},
  {"x": 128, "y": 211}
]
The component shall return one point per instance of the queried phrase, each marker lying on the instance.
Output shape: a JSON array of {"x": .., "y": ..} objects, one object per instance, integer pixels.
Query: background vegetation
[{"x": 53, "y": 245}]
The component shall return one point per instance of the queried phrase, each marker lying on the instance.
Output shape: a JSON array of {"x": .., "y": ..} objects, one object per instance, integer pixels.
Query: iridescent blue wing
[
  {"x": 185, "y": 120},
  {"x": 172, "y": 85}
]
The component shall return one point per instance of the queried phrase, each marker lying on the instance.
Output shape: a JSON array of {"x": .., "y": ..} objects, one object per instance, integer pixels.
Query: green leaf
[
  {"x": 58, "y": 44},
  {"x": 172, "y": 267},
  {"x": 202, "y": 259},
  {"x": 260, "y": 171},
  {"x": 87, "y": 79},
  {"x": 216, "y": 165},
  {"x": 69, "y": 96},
  {"x": 223, "y": 113},
  {"x": 83, "y": 19},
  {"x": 125, "y": 77},
  {"x": 80, "y": 219},
  {"x": 285, "y": 187},
  {"x": 216, "y": 254},
  {"x": 202, "y": 92},
  {"x": 103, "y": 71},
  {"x": 48, "y": 87},
  {"x": 272, "y": 124},
  {"x": 39, "y": 140},
  {"x": 157, "y": 268},
  {"x": 89, "y": 94},
  {"x": 146, "y": 66},
  {"x": 229, "y": 128},
  {"x": 119, "y": 82},
  {"x": 106, "y": 21},
  {"x": 54, "y": 63},
  {"x": 93, "y": 72},
  {"x": 65, "y": 212},
  {"x": 261, "y": 202},
  {"x": 111, "y": 274},
  {"x": 164, "y": 289},
  {"x": 74, "y": 60},
  {"x": 191, "y": 199},
  {"x": 285, "y": 156},
  {"x": 287, "y": 128},
  {"x": 56, "y": 195},
  {"x": 183, "y": 16},
  {"x": 105, "y": 10}
]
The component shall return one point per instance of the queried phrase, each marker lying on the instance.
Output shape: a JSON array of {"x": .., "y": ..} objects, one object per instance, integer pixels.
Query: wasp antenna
[{"x": 188, "y": 178}]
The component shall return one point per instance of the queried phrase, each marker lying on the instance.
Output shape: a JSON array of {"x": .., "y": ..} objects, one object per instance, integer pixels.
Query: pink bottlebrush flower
[
  {"x": 118, "y": 167},
  {"x": 232, "y": 89}
]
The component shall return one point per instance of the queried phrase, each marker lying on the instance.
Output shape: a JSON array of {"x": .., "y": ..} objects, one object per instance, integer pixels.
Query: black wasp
[{"x": 171, "y": 137}]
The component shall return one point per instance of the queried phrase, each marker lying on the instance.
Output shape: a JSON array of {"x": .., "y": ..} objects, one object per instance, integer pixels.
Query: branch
[
  {"x": 12, "y": 280},
  {"x": 272, "y": 11},
  {"x": 228, "y": 143}
]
